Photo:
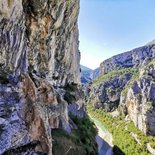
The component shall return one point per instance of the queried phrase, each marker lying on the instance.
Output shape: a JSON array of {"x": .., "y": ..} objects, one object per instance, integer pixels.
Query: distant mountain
[
  {"x": 151, "y": 42},
  {"x": 95, "y": 73},
  {"x": 84, "y": 68},
  {"x": 86, "y": 74}
]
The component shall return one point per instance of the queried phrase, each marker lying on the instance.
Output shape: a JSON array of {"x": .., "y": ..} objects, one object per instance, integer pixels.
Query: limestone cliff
[
  {"x": 140, "y": 99},
  {"x": 39, "y": 57},
  {"x": 127, "y": 84},
  {"x": 41, "y": 36}
]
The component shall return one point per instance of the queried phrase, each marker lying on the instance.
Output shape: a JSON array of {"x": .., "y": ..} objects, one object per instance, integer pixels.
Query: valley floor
[
  {"x": 127, "y": 139},
  {"x": 103, "y": 139}
]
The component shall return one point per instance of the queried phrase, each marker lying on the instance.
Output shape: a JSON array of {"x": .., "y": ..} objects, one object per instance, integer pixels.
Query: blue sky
[{"x": 110, "y": 27}]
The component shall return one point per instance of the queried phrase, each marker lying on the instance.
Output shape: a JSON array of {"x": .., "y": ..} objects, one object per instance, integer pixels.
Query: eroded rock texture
[
  {"x": 41, "y": 36},
  {"x": 140, "y": 100},
  {"x": 38, "y": 57}
]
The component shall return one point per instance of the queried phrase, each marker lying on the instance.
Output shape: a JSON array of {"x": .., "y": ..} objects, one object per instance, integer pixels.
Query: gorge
[
  {"x": 125, "y": 91},
  {"x": 44, "y": 108}
]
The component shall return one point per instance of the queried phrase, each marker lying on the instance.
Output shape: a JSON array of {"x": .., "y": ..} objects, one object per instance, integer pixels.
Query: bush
[
  {"x": 80, "y": 141},
  {"x": 70, "y": 94}
]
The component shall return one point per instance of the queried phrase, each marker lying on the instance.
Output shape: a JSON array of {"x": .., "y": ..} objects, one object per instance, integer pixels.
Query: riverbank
[{"x": 104, "y": 139}]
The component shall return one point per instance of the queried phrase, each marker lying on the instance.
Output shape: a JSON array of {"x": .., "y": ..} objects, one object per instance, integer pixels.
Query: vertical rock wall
[
  {"x": 41, "y": 36},
  {"x": 38, "y": 56}
]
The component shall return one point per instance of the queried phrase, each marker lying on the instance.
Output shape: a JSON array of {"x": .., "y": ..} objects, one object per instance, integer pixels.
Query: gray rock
[
  {"x": 134, "y": 58},
  {"x": 38, "y": 53}
]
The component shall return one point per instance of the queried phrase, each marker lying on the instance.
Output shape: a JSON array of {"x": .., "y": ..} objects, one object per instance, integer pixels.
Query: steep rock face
[
  {"x": 107, "y": 94},
  {"x": 87, "y": 75},
  {"x": 95, "y": 73},
  {"x": 132, "y": 58},
  {"x": 38, "y": 57},
  {"x": 40, "y": 36},
  {"x": 140, "y": 100}
]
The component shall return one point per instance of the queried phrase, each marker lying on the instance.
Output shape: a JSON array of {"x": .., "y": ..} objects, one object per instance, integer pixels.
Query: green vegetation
[
  {"x": 79, "y": 141},
  {"x": 1, "y": 129},
  {"x": 86, "y": 133},
  {"x": 4, "y": 79},
  {"x": 122, "y": 132},
  {"x": 120, "y": 73},
  {"x": 4, "y": 72},
  {"x": 70, "y": 95},
  {"x": 130, "y": 83},
  {"x": 114, "y": 73},
  {"x": 151, "y": 63},
  {"x": 64, "y": 143}
]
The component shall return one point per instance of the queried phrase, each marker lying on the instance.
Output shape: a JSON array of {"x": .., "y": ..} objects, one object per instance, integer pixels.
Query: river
[{"x": 103, "y": 138}]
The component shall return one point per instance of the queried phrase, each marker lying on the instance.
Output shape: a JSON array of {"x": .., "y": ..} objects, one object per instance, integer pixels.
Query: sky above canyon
[{"x": 110, "y": 27}]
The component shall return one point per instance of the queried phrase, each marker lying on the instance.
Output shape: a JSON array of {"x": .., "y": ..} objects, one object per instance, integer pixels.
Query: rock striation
[
  {"x": 39, "y": 57},
  {"x": 140, "y": 102},
  {"x": 39, "y": 37}
]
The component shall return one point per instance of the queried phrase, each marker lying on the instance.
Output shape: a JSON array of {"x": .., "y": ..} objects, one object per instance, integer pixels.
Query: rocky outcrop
[
  {"x": 31, "y": 112},
  {"x": 38, "y": 57},
  {"x": 140, "y": 101},
  {"x": 107, "y": 94},
  {"x": 127, "y": 83}
]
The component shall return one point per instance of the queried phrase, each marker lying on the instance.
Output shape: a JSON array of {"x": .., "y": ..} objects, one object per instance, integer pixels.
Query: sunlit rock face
[
  {"x": 41, "y": 36},
  {"x": 38, "y": 57},
  {"x": 140, "y": 100},
  {"x": 132, "y": 58}
]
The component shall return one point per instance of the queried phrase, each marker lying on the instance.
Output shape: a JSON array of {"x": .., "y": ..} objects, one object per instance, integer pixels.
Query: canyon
[
  {"x": 44, "y": 108},
  {"x": 126, "y": 83}
]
